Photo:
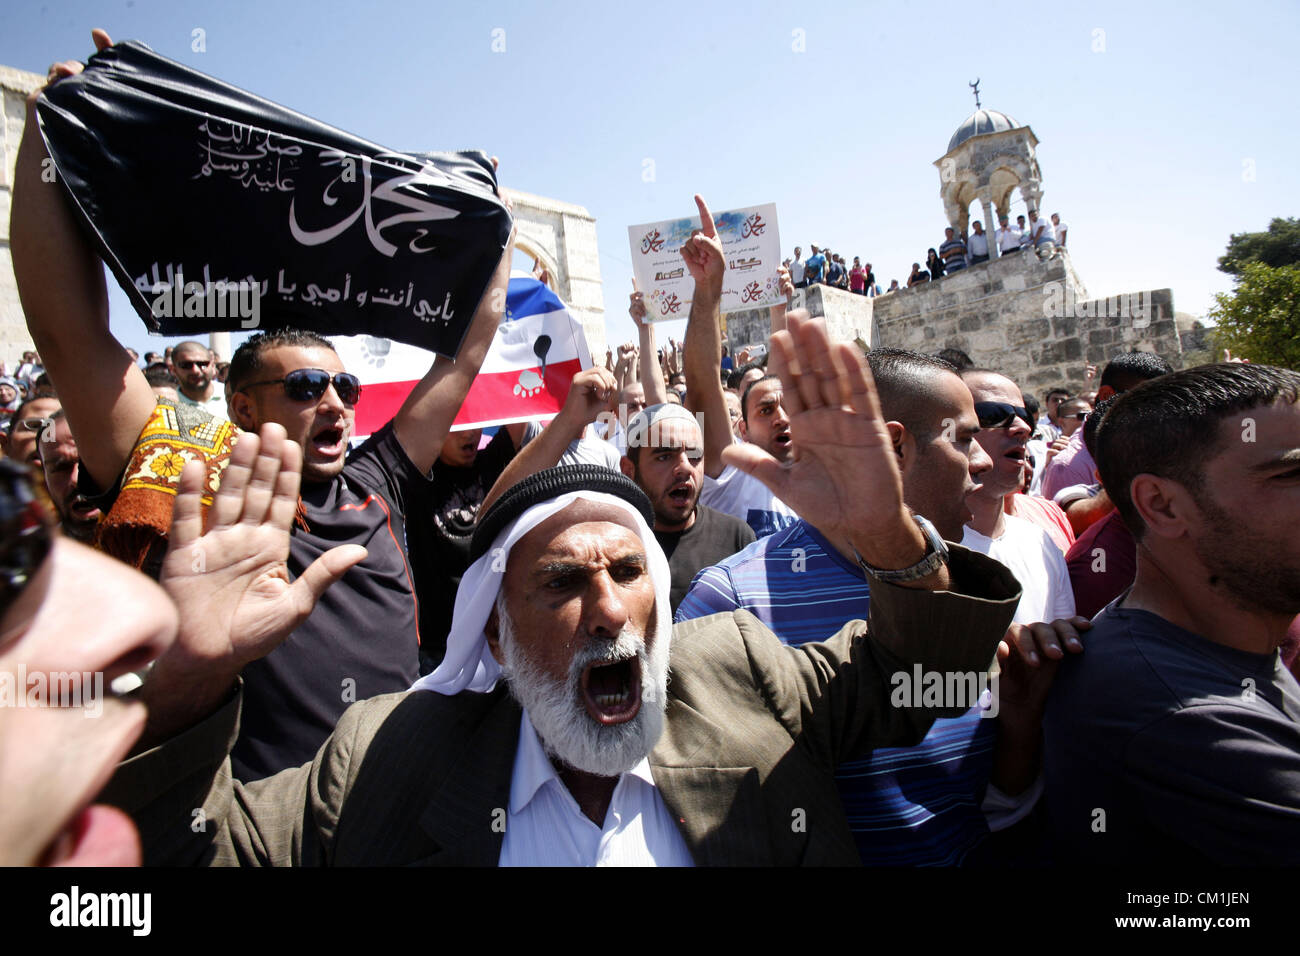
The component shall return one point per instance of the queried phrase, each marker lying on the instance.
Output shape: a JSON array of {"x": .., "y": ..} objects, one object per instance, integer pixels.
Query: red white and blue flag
[{"x": 535, "y": 354}]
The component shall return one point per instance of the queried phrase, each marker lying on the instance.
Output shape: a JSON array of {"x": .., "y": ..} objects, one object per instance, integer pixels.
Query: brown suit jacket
[{"x": 753, "y": 734}]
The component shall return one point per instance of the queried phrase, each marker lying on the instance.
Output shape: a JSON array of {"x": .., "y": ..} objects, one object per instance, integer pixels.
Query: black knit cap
[{"x": 548, "y": 484}]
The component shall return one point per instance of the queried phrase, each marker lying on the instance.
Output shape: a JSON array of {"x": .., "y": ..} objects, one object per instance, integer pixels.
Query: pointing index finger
[{"x": 706, "y": 217}]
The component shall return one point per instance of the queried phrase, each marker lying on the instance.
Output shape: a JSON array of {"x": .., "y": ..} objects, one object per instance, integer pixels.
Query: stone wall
[
  {"x": 1030, "y": 319},
  {"x": 14, "y": 86}
]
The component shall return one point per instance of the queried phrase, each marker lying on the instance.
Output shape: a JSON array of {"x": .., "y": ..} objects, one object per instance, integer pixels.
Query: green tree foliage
[
  {"x": 1278, "y": 247},
  {"x": 1260, "y": 319}
]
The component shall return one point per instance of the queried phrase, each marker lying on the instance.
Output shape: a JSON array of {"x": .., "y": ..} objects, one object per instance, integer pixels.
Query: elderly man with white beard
[{"x": 589, "y": 752}]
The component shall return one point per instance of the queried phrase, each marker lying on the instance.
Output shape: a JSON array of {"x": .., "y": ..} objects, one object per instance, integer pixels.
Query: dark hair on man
[
  {"x": 1059, "y": 390},
  {"x": 905, "y": 384},
  {"x": 21, "y": 411},
  {"x": 954, "y": 357},
  {"x": 1170, "y": 426},
  {"x": 247, "y": 360},
  {"x": 1132, "y": 369},
  {"x": 734, "y": 379},
  {"x": 1031, "y": 406},
  {"x": 744, "y": 398},
  {"x": 159, "y": 375},
  {"x": 1093, "y": 422}
]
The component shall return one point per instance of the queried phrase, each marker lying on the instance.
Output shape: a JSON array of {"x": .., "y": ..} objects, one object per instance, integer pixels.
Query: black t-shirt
[
  {"x": 362, "y": 639},
  {"x": 711, "y": 538},
  {"x": 440, "y": 523},
  {"x": 1161, "y": 745}
]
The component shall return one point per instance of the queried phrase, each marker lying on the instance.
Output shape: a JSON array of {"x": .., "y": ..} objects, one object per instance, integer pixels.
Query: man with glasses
[
  {"x": 22, "y": 442},
  {"x": 1021, "y": 545},
  {"x": 363, "y": 639},
  {"x": 197, "y": 375}
]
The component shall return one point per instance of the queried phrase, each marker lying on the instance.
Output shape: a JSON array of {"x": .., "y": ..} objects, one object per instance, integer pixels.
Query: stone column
[
  {"x": 990, "y": 224},
  {"x": 219, "y": 342}
]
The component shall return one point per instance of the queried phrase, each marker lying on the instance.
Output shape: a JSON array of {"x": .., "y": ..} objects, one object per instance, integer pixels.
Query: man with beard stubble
[{"x": 585, "y": 754}]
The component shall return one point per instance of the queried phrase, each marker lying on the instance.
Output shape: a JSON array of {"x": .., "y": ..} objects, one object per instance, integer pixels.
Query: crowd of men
[
  {"x": 956, "y": 252},
  {"x": 827, "y": 606}
]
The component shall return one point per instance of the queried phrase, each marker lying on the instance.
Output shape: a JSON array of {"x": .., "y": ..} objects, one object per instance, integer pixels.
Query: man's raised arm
[
  {"x": 61, "y": 285},
  {"x": 425, "y": 418},
  {"x": 703, "y": 347},
  {"x": 590, "y": 393},
  {"x": 652, "y": 378}
]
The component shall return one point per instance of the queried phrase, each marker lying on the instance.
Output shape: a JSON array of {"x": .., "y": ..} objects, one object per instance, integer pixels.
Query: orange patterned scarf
[{"x": 135, "y": 528}]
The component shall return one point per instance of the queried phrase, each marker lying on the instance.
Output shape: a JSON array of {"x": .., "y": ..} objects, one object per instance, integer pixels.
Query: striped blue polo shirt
[{"x": 906, "y": 806}]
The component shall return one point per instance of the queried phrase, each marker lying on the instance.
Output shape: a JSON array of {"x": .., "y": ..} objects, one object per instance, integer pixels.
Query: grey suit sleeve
[
  {"x": 837, "y": 697},
  {"x": 190, "y": 811}
]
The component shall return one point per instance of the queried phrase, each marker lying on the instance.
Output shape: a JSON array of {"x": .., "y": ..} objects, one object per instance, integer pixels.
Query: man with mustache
[
  {"x": 364, "y": 638},
  {"x": 61, "y": 462},
  {"x": 919, "y": 805},
  {"x": 665, "y": 457},
  {"x": 584, "y": 754}
]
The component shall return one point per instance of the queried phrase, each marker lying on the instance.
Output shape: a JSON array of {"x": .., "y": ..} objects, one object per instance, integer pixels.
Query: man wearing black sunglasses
[
  {"x": 197, "y": 373},
  {"x": 1018, "y": 543},
  {"x": 363, "y": 639},
  {"x": 21, "y": 444}
]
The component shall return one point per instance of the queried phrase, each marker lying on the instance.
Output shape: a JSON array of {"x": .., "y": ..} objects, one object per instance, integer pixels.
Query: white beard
[{"x": 557, "y": 711}]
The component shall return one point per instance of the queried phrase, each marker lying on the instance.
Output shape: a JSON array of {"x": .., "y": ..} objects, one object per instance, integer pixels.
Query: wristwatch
[{"x": 936, "y": 554}]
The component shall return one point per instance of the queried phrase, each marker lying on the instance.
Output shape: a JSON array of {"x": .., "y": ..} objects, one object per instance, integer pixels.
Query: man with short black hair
[
  {"x": 363, "y": 637},
  {"x": 22, "y": 441},
  {"x": 60, "y": 461},
  {"x": 1073, "y": 465},
  {"x": 1049, "y": 426},
  {"x": 163, "y": 382},
  {"x": 1017, "y": 542},
  {"x": 913, "y": 805},
  {"x": 978, "y": 244},
  {"x": 555, "y": 688},
  {"x": 952, "y": 251},
  {"x": 1180, "y": 722},
  {"x": 665, "y": 457},
  {"x": 1008, "y": 238}
]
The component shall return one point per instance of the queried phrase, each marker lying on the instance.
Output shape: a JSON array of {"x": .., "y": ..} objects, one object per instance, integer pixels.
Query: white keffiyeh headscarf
[{"x": 469, "y": 664}]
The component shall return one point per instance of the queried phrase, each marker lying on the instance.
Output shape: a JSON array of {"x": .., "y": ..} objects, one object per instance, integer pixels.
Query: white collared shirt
[{"x": 546, "y": 827}]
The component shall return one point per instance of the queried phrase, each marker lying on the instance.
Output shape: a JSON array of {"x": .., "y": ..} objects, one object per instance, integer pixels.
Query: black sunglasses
[
  {"x": 999, "y": 414},
  {"x": 24, "y": 531},
  {"x": 186, "y": 366},
  {"x": 309, "y": 384}
]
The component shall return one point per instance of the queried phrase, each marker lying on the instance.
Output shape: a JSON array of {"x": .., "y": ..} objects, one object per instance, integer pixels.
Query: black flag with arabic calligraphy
[{"x": 220, "y": 211}]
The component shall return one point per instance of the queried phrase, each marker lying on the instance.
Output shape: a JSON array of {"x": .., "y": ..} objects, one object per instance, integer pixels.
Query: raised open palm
[
  {"x": 231, "y": 584},
  {"x": 844, "y": 478}
]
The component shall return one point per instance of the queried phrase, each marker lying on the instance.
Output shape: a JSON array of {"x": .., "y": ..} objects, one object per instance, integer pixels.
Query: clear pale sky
[{"x": 1163, "y": 127}]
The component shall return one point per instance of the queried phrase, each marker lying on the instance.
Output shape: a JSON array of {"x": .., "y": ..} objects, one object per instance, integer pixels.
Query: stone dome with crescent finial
[{"x": 980, "y": 122}]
